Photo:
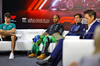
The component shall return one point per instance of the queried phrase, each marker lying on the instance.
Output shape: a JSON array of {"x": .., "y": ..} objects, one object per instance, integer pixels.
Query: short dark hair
[
  {"x": 78, "y": 15},
  {"x": 90, "y": 13},
  {"x": 7, "y": 14},
  {"x": 58, "y": 16}
]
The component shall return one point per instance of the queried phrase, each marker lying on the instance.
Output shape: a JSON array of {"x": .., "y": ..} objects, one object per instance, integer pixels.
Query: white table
[{"x": 74, "y": 50}]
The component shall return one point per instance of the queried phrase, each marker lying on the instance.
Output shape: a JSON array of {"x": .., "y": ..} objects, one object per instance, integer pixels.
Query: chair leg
[{"x": 28, "y": 52}]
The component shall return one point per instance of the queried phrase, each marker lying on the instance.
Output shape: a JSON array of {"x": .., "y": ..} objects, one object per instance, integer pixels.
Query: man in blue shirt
[
  {"x": 7, "y": 31},
  {"x": 78, "y": 29},
  {"x": 56, "y": 55}
]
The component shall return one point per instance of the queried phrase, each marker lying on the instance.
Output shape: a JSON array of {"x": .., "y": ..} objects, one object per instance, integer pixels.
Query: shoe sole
[{"x": 43, "y": 64}]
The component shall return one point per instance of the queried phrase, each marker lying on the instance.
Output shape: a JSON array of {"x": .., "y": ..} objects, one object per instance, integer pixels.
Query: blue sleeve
[
  {"x": 79, "y": 31},
  {"x": 1, "y": 26},
  {"x": 73, "y": 29},
  {"x": 82, "y": 31}
]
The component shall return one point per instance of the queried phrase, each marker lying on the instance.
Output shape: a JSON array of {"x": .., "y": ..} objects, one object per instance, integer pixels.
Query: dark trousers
[
  {"x": 45, "y": 48},
  {"x": 56, "y": 55}
]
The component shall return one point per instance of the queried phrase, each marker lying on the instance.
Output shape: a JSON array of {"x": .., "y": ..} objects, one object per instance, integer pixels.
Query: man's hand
[
  {"x": 13, "y": 35},
  {"x": 83, "y": 37},
  {"x": 74, "y": 64},
  {"x": 46, "y": 34},
  {"x": 58, "y": 33},
  {"x": 2, "y": 36}
]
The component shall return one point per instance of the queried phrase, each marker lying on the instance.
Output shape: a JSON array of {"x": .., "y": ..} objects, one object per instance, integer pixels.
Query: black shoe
[{"x": 44, "y": 63}]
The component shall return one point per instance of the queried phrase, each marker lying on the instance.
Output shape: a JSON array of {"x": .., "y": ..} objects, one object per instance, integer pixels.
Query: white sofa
[
  {"x": 24, "y": 41},
  {"x": 73, "y": 50}
]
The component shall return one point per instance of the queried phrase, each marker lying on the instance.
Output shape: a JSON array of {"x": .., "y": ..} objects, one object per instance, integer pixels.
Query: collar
[
  {"x": 91, "y": 23},
  {"x": 57, "y": 24},
  {"x": 77, "y": 23},
  {"x": 6, "y": 24}
]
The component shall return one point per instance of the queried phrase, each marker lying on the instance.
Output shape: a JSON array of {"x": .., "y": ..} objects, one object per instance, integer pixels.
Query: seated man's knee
[
  {"x": 13, "y": 37},
  {"x": 49, "y": 40},
  {"x": 37, "y": 36},
  {"x": 61, "y": 39}
]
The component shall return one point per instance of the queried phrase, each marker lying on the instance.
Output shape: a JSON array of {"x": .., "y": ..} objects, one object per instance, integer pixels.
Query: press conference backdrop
[{"x": 38, "y": 14}]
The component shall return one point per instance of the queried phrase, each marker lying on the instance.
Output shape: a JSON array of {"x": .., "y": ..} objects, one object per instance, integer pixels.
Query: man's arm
[
  {"x": 60, "y": 30},
  {"x": 46, "y": 34},
  {"x": 7, "y": 32},
  {"x": 4, "y": 33},
  {"x": 12, "y": 30},
  {"x": 58, "y": 33},
  {"x": 1, "y": 30},
  {"x": 69, "y": 32}
]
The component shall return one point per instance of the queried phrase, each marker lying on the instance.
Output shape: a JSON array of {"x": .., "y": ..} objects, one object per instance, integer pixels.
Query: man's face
[
  {"x": 77, "y": 19},
  {"x": 55, "y": 19},
  {"x": 7, "y": 19},
  {"x": 89, "y": 19}
]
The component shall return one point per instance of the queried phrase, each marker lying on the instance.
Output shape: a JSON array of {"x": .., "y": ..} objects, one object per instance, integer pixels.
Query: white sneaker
[{"x": 11, "y": 56}]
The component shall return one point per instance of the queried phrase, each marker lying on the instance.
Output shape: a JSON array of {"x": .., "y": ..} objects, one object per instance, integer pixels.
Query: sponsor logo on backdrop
[
  {"x": 13, "y": 18},
  {"x": 31, "y": 20},
  {"x": 62, "y": 20}
]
